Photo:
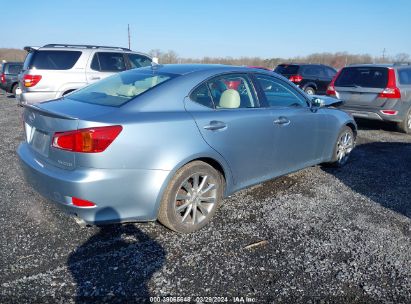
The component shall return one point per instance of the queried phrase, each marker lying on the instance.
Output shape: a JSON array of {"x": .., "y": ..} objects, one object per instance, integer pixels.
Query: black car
[
  {"x": 9, "y": 76},
  {"x": 312, "y": 78}
]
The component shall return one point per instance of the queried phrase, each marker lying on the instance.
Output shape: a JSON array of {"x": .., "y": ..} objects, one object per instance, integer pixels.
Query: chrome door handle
[
  {"x": 95, "y": 78},
  {"x": 283, "y": 121},
  {"x": 215, "y": 125}
]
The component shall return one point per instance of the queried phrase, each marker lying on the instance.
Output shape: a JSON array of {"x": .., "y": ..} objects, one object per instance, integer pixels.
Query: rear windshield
[
  {"x": 14, "y": 69},
  {"x": 287, "y": 69},
  {"x": 368, "y": 77},
  {"x": 116, "y": 90},
  {"x": 51, "y": 60}
]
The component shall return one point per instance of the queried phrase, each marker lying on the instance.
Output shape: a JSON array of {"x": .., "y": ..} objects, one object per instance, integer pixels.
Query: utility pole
[
  {"x": 383, "y": 55},
  {"x": 128, "y": 30}
]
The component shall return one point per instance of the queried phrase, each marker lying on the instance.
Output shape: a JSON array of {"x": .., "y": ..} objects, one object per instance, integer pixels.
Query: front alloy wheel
[{"x": 345, "y": 144}]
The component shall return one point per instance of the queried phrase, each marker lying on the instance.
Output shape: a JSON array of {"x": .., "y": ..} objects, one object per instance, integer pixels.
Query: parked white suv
[{"x": 54, "y": 70}]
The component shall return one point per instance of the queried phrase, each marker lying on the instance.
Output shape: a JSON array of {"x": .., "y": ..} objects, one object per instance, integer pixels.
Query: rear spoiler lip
[
  {"x": 47, "y": 113},
  {"x": 31, "y": 48}
]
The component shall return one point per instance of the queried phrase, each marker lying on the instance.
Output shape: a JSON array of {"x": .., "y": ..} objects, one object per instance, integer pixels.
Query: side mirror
[
  {"x": 325, "y": 101},
  {"x": 317, "y": 102}
]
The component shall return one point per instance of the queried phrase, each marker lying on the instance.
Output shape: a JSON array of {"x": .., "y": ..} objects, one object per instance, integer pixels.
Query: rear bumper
[
  {"x": 374, "y": 114},
  {"x": 35, "y": 97},
  {"x": 120, "y": 195}
]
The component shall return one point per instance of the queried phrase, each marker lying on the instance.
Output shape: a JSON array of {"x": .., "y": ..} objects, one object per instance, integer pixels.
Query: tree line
[{"x": 337, "y": 60}]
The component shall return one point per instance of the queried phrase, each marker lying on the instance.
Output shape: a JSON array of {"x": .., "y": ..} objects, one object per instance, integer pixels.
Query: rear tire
[
  {"x": 191, "y": 197},
  {"x": 343, "y": 147},
  {"x": 405, "y": 125},
  {"x": 13, "y": 90},
  {"x": 309, "y": 90}
]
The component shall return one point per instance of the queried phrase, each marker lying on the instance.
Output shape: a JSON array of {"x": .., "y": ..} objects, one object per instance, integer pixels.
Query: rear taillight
[
  {"x": 31, "y": 80},
  {"x": 331, "y": 87},
  {"x": 391, "y": 91},
  {"x": 81, "y": 202},
  {"x": 3, "y": 78},
  {"x": 296, "y": 78},
  {"x": 90, "y": 140}
]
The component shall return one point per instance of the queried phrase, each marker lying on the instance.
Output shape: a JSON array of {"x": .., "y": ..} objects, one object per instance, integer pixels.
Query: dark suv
[
  {"x": 312, "y": 78},
  {"x": 9, "y": 76},
  {"x": 380, "y": 92}
]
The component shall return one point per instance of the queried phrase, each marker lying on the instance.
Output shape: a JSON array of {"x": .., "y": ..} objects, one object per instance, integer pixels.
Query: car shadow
[
  {"x": 367, "y": 124},
  {"x": 115, "y": 264},
  {"x": 380, "y": 171}
]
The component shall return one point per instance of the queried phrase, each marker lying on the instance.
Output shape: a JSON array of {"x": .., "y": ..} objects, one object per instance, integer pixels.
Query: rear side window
[
  {"x": 313, "y": 71},
  {"x": 232, "y": 91},
  {"x": 120, "y": 88},
  {"x": 14, "y": 69},
  {"x": 368, "y": 77},
  {"x": 202, "y": 96},
  {"x": 52, "y": 60},
  {"x": 405, "y": 76},
  {"x": 138, "y": 61},
  {"x": 287, "y": 69},
  {"x": 329, "y": 72},
  {"x": 108, "y": 62}
]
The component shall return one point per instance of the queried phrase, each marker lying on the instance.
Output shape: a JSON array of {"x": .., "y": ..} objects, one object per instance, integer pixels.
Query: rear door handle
[
  {"x": 95, "y": 78},
  {"x": 284, "y": 121},
  {"x": 215, "y": 125}
]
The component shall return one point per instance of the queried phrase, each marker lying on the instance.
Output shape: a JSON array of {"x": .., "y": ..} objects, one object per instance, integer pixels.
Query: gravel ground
[{"x": 330, "y": 236}]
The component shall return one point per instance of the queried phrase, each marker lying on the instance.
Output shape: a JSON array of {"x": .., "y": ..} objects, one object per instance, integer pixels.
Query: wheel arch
[
  {"x": 15, "y": 83},
  {"x": 215, "y": 162},
  {"x": 310, "y": 84},
  {"x": 353, "y": 127}
]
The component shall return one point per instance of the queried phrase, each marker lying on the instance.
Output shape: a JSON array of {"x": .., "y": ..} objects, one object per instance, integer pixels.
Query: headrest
[{"x": 230, "y": 99}]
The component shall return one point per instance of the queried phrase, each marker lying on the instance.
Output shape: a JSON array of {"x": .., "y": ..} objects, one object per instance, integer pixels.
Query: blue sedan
[{"x": 169, "y": 142}]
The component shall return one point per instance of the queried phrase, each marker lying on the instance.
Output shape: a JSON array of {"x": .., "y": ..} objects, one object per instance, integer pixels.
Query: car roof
[
  {"x": 184, "y": 69},
  {"x": 379, "y": 65}
]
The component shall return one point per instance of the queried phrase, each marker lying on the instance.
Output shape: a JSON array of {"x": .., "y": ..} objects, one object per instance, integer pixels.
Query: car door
[
  {"x": 104, "y": 64},
  {"x": 230, "y": 120},
  {"x": 299, "y": 132}
]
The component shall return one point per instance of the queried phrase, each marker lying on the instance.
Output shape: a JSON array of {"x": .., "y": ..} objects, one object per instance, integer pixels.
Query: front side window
[
  {"x": 120, "y": 88},
  {"x": 138, "y": 61},
  {"x": 232, "y": 91},
  {"x": 108, "y": 62},
  {"x": 52, "y": 60},
  {"x": 279, "y": 94}
]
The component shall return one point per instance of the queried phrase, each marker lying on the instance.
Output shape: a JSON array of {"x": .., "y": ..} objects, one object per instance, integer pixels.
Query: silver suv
[
  {"x": 54, "y": 70},
  {"x": 380, "y": 92}
]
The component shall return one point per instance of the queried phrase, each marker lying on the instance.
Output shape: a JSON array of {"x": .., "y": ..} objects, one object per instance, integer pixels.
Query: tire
[
  {"x": 309, "y": 90},
  {"x": 191, "y": 213},
  {"x": 405, "y": 125},
  {"x": 14, "y": 88},
  {"x": 343, "y": 147}
]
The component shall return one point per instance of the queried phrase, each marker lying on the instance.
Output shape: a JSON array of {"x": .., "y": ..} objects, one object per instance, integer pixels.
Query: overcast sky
[{"x": 195, "y": 28}]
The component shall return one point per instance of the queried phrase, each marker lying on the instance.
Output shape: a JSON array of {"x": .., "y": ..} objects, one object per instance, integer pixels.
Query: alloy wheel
[
  {"x": 345, "y": 145},
  {"x": 195, "y": 198}
]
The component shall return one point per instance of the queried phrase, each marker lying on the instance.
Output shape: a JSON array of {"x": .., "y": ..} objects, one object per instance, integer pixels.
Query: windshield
[
  {"x": 367, "y": 77},
  {"x": 120, "y": 88}
]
